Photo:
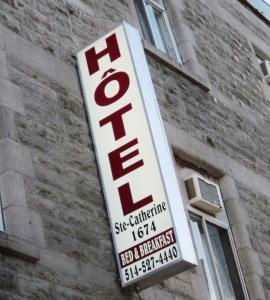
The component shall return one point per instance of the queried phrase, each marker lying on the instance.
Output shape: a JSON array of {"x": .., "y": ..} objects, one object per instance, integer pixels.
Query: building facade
[{"x": 209, "y": 63}]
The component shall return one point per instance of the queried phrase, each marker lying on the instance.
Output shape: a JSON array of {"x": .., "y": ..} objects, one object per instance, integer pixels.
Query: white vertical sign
[{"x": 149, "y": 226}]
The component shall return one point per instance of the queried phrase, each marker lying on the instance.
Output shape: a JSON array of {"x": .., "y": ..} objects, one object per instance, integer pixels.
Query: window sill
[
  {"x": 14, "y": 246},
  {"x": 181, "y": 69}
]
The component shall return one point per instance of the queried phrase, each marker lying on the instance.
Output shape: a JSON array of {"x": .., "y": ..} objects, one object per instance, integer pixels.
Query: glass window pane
[
  {"x": 225, "y": 264},
  {"x": 143, "y": 20},
  {"x": 153, "y": 16},
  {"x": 155, "y": 26},
  {"x": 166, "y": 36},
  {"x": 263, "y": 6},
  {"x": 204, "y": 258},
  {"x": 259, "y": 60},
  {"x": 2, "y": 227}
]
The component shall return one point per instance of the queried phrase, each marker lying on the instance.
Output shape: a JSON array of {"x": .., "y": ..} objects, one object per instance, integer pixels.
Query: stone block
[
  {"x": 7, "y": 123},
  {"x": 154, "y": 293},
  {"x": 236, "y": 212},
  {"x": 12, "y": 189},
  {"x": 24, "y": 249},
  {"x": 66, "y": 76},
  {"x": 15, "y": 157},
  {"x": 15, "y": 246},
  {"x": 254, "y": 287},
  {"x": 199, "y": 287},
  {"x": 37, "y": 229},
  {"x": 178, "y": 286},
  {"x": 11, "y": 96},
  {"x": 58, "y": 262},
  {"x": 3, "y": 63},
  {"x": 228, "y": 188},
  {"x": 2, "y": 42},
  {"x": 250, "y": 262},
  {"x": 41, "y": 61},
  {"x": 18, "y": 222},
  {"x": 8, "y": 280},
  {"x": 241, "y": 236},
  {"x": 97, "y": 275}
]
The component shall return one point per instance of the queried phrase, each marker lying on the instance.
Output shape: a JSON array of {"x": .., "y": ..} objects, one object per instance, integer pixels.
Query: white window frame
[
  {"x": 262, "y": 6},
  {"x": 260, "y": 58},
  {"x": 2, "y": 223},
  {"x": 159, "y": 5},
  {"x": 204, "y": 218}
]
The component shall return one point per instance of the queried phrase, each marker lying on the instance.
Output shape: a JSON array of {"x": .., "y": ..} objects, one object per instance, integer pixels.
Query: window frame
[
  {"x": 254, "y": 10},
  {"x": 162, "y": 10},
  {"x": 204, "y": 218},
  {"x": 260, "y": 57},
  {"x": 2, "y": 220},
  {"x": 257, "y": 4}
]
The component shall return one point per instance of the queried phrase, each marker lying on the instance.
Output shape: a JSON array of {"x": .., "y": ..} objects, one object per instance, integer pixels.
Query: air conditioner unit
[
  {"x": 203, "y": 194},
  {"x": 265, "y": 66}
]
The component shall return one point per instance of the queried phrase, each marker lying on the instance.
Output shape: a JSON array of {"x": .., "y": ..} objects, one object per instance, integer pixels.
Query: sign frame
[{"x": 187, "y": 256}]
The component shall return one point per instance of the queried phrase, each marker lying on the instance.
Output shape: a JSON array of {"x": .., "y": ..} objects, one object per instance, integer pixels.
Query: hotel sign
[{"x": 149, "y": 226}]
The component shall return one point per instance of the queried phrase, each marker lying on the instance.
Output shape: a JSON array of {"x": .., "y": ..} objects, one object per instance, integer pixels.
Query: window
[
  {"x": 216, "y": 253},
  {"x": 264, "y": 63},
  {"x": 263, "y": 6},
  {"x": 217, "y": 260},
  {"x": 2, "y": 227},
  {"x": 156, "y": 27}
]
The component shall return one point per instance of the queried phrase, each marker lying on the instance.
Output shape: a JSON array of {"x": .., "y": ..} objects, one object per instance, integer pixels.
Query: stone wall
[
  {"x": 257, "y": 207},
  {"x": 42, "y": 111}
]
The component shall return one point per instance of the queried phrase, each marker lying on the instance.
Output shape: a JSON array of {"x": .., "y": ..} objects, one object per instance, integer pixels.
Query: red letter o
[{"x": 123, "y": 81}]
